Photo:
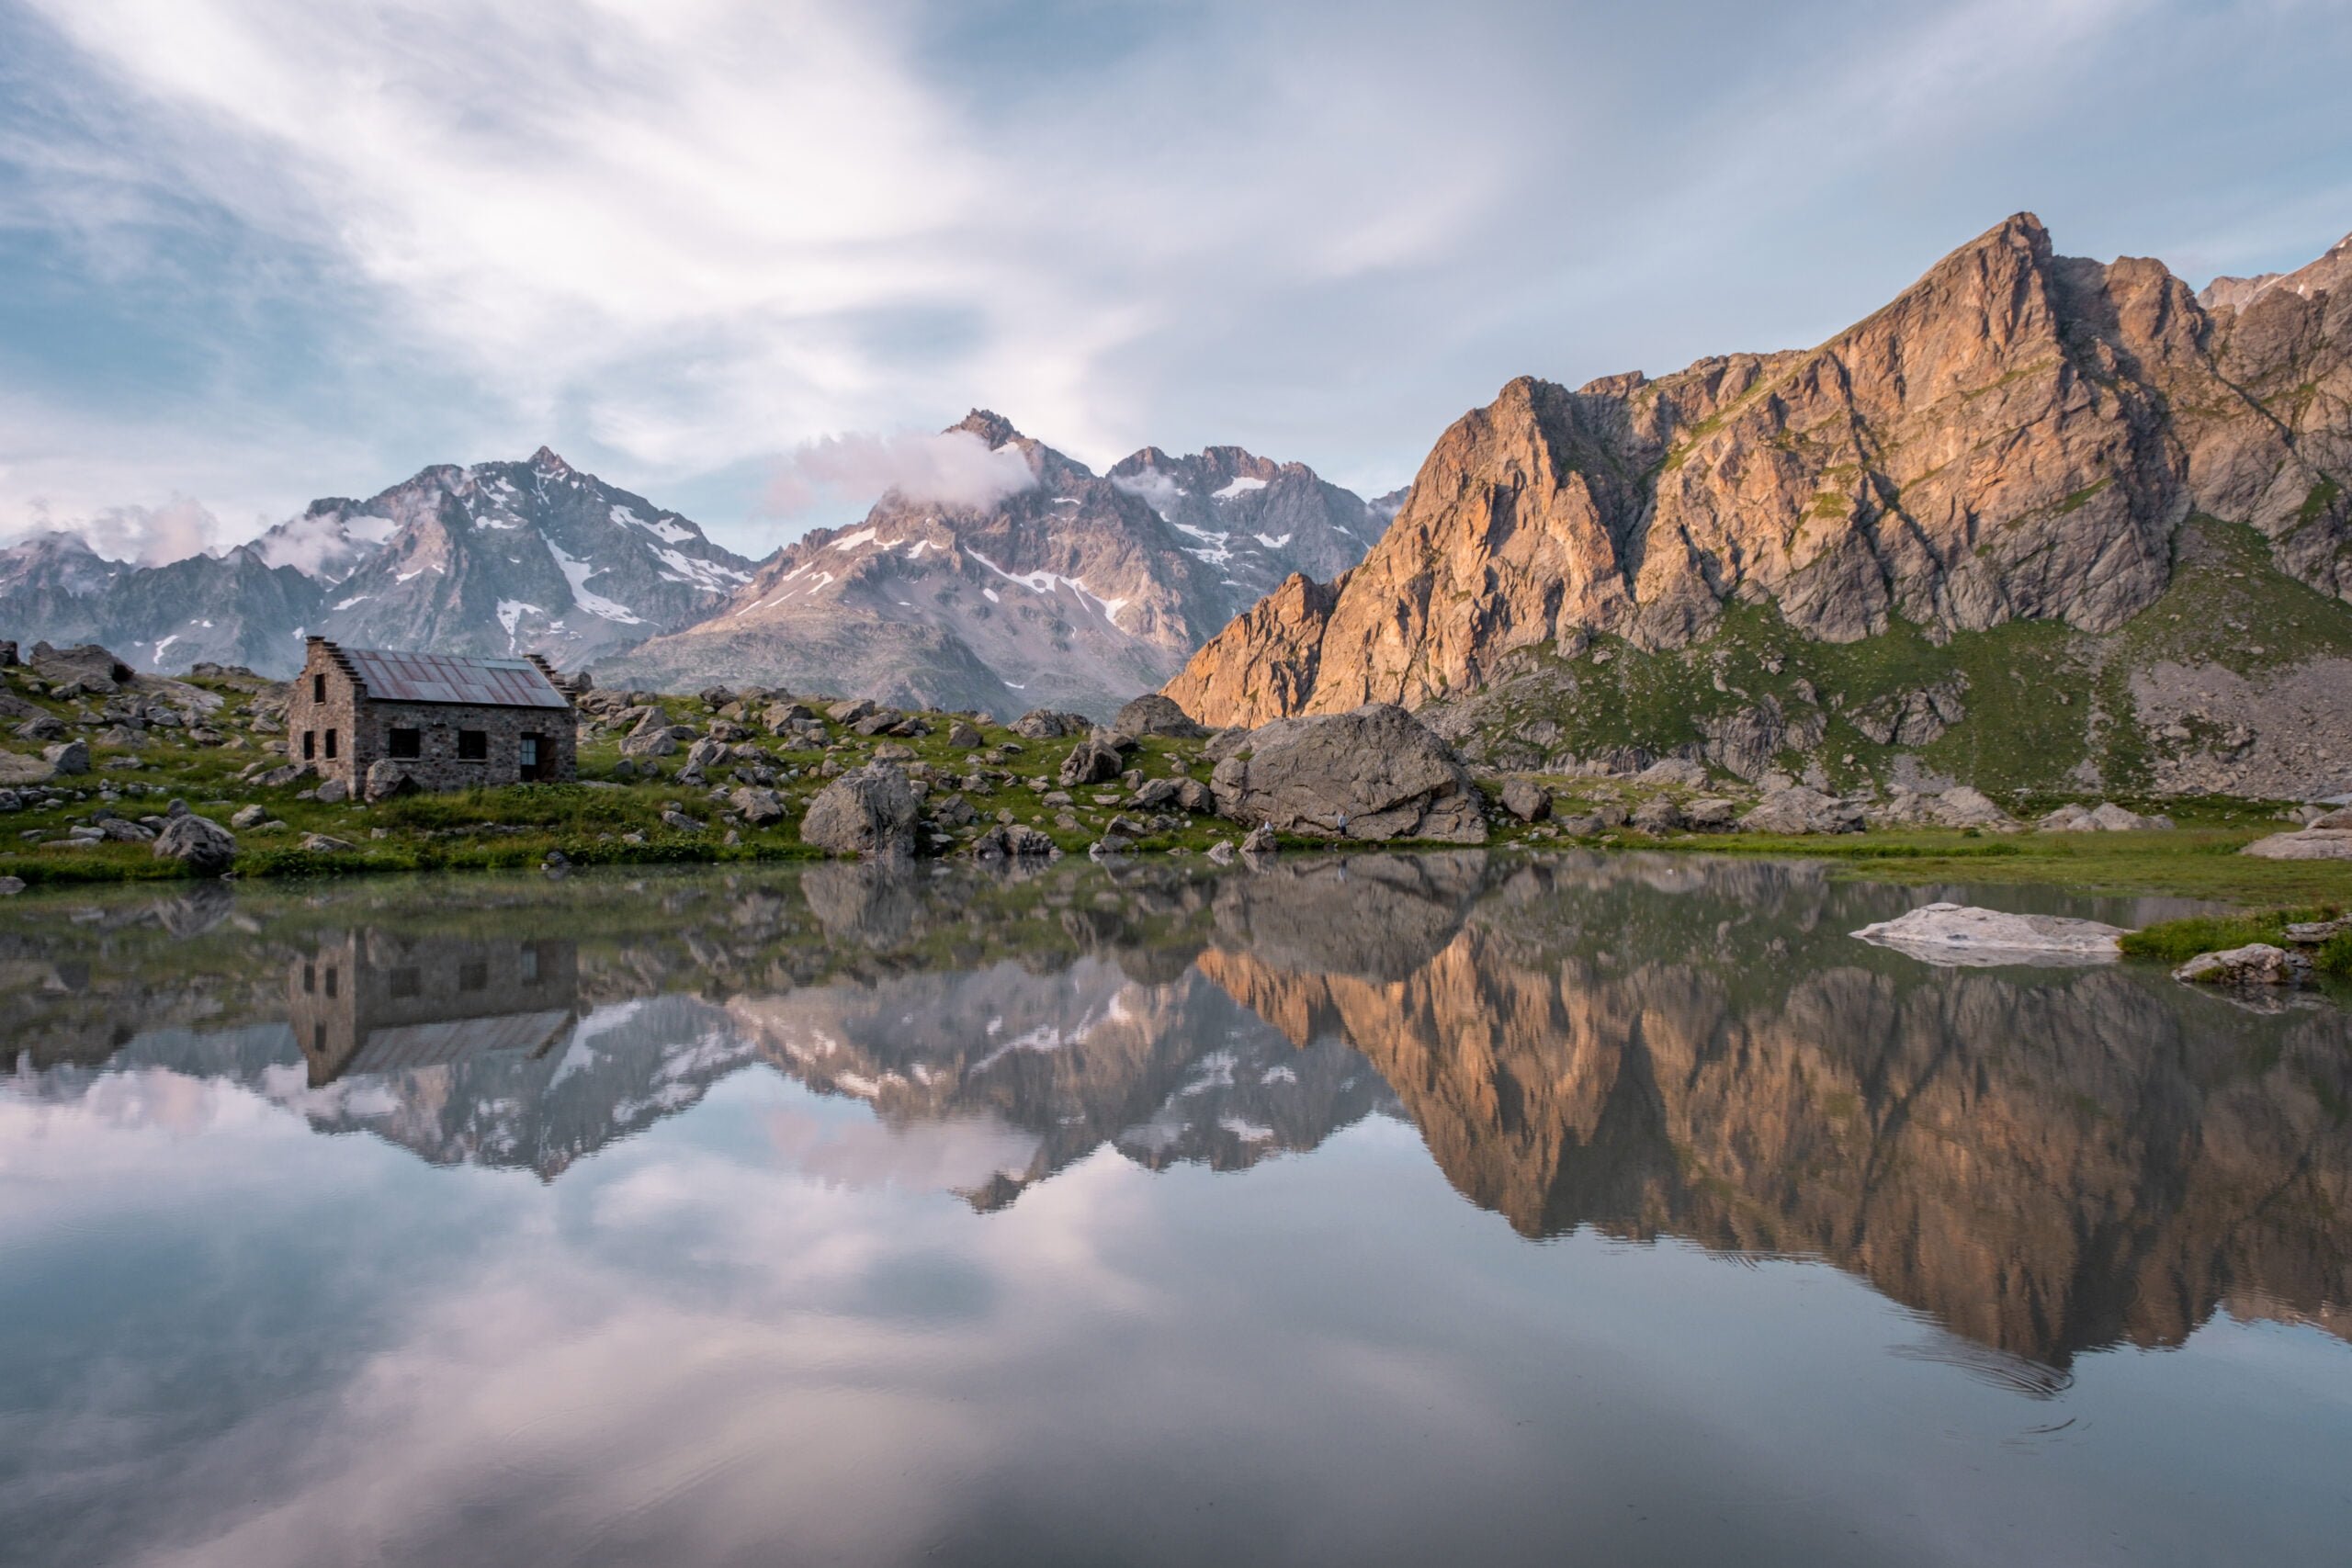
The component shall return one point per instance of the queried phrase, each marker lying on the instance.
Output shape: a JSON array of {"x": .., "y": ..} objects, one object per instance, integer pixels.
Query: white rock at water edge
[{"x": 1959, "y": 934}]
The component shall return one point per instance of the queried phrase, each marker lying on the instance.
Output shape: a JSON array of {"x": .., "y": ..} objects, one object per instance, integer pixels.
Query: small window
[
  {"x": 330, "y": 743},
  {"x": 310, "y": 744},
  {"x": 310, "y": 978},
  {"x": 402, "y": 984},
  {"x": 474, "y": 745},
  {"x": 317, "y": 688},
  {"x": 319, "y": 1038},
  {"x": 329, "y": 982},
  {"x": 473, "y": 974},
  {"x": 406, "y": 742},
  {"x": 529, "y": 965}
]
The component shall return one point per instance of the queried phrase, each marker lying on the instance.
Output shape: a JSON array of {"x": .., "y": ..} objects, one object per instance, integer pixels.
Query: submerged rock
[{"x": 1961, "y": 934}]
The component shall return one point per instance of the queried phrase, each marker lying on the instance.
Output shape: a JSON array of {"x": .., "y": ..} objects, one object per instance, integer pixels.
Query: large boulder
[
  {"x": 1045, "y": 724},
  {"x": 868, "y": 811},
  {"x": 67, "y": 757},
  {"x": 2256, "y": 964},
  {"x": 1152, "y": 714},
  {"x": 2104, "y": 817},
  {"x": 94, "y": 667},
  {"x": 1089, "y": 763},
  {"x": 1527, "y": 800},
  {"x": 1959, "y": 934},
  {"x": 1013, "y": 841},
  {"x": 199, "y": 843},
  {"x": 1375, "y": 773},
  {"x": 386, "y": 779},
  {"x": 758, "y": 806},
  {"x": 2312, "y": 843},
  {"x": 1797, "y": 811},
  {"x": 655, "y": 742}
]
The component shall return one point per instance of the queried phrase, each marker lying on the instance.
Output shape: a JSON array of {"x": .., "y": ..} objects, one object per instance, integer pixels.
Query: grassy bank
[{"x": 628, "y": 813}]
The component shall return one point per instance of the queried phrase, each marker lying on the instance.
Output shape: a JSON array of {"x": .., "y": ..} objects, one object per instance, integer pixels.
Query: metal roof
[{"x": 447, "y": 678}]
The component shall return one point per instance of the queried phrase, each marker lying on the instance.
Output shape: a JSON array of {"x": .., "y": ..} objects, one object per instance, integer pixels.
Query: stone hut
[{"x": 444, "y": 721}]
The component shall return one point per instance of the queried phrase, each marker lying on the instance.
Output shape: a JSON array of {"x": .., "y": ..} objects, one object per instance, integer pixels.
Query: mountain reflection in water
[{"x": 2042, "y": 1162}]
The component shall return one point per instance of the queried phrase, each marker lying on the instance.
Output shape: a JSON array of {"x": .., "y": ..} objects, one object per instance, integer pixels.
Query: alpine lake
[{"x": 1459, "y": 1208}]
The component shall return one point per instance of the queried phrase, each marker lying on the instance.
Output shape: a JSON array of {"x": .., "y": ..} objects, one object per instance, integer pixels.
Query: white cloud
[
  {"x": 953, "y": 469},
  {"x": 690, "y": 235},
  {"x": 151, "y": 534}
]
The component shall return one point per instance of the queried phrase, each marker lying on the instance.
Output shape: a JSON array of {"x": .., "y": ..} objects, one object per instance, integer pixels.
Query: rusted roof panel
[{"x": 447, "y": 678}]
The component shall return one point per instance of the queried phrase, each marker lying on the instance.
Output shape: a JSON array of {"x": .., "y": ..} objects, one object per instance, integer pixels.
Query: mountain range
[
  {"x": 2039, "y": 522},
  {"x": 1077, "y": 591}
]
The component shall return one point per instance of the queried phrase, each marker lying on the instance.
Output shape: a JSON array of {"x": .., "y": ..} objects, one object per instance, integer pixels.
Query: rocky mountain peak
[
  {"x": 545, "y": 461},
  {"x": 989, "y": 427},
  {"x": 2016, "y": 436},
  {"x": 2328, "y": 274}
]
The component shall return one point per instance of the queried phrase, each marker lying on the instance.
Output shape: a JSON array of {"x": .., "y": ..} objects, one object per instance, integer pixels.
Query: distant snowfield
[{"x": 1241, "y": 485}]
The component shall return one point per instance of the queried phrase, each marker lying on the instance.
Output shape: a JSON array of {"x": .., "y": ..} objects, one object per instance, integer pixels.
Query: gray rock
[
  {"x": 1153, "y": 794},
  {"x": 67, "y": 758},
  {"x": 322, "y": 844},
  {"x": 1043, "y": 724},
  {"x": 758, "y": 806},
  {"x": 1375, "y": 773},
  {"x": 657, "y": 742},
  {"x": 2310, "y": 843},
  {"x": 679, "y": 823},
  {"x": 1013, "y": 841},
  {"x": 11, "y": 885},
  {"x": 1221, "y": 853},
  {"x": 704, "y": 754},
  {"x": 2336, "y": 821},
  {"x": 386, "y": 779},
  {"x": 334, "y": 792},
  {"x": 1260, "y": 841},
  {"x": 1152, "y": 714},
  {"x": 2256, "y": 964},
  {"x": 1656, "y": 814},
  {"x": 1713, "y": 815},
  {"x": 964, "y": 738},
  {"x": 1959, "y": 934},
  {"x": 1089, "y": 761},
  {"x": 282, "y": 776},
  {"x": 869, "y": 811},
  {"x": 198, "y": 842},
  {"x": 41, "y": 726},
  {"x": 1108, "y": 846},
  {"x": 954, "y": 812},
  {"x": 1965, "y": 806},
  {"x": 2115, "y": 818},
  {"x": 1528, "y": 801},
  {"x": 849, "y": 712},
  {"x": 1673, "y": 771},
  {"x": 1797, "y": 809},
  {"x": 123, "y": 832}
]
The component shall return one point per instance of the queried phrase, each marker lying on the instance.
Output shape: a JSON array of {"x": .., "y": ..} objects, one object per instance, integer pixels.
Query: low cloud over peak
[{"x": 949, "y": 468}]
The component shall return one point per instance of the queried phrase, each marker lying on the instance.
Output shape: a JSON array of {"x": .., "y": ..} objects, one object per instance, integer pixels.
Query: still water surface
[{"x": 1452, "y": 1209}]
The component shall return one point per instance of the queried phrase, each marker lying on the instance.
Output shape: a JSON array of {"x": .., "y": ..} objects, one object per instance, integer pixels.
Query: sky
[{"x": 255, "y": 252}]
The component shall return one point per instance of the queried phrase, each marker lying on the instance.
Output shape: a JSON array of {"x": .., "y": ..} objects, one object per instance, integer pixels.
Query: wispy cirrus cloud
[{"x": 679, "y": 240}]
